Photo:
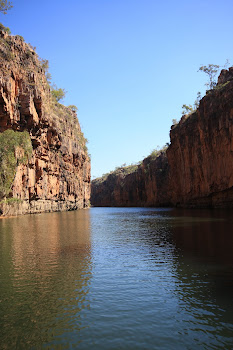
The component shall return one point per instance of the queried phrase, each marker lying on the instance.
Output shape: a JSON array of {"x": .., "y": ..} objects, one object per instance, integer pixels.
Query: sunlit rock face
[
  {"x": 195, "y": 171},
  {"x": 57, "y": 175}
]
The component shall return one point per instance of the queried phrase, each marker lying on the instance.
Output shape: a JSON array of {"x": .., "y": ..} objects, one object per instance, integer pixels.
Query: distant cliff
[
  {"x": 142, "y": 185},
  {"x": 195, "y": 171},
  {"x": 54, "y": 174}
]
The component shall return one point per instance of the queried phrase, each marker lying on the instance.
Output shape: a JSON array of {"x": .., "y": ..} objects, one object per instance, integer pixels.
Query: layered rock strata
[
  {"x": 195, "y": 171},
  {"x": 57, "y": 175}
]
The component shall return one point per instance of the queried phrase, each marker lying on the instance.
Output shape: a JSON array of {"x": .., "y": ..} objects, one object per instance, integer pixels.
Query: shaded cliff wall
[
  {"x": 195, "y": 171},
  {"x": 147, "y": 185},
  {"x": 57, "y": 175},
  {"x": 201, "y": 152}
]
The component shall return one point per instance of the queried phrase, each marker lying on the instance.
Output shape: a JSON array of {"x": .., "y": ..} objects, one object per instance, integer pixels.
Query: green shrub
[
  {"x": 58, "y": 94},
  {"x": 5, "y": 49},
  {"x": 20, "y": 37},
  {"x": 11, "y": 200},
  {"x": 15, "y": 149},
  {"x": 5, "y": 29},
  {"x": 158, "y": 151},
  {"x": 73, "y": 108},
  {"x": 7, "y": 54},
  {"x": 187, "y": 109},
  {"x": 44, "y": 64}
]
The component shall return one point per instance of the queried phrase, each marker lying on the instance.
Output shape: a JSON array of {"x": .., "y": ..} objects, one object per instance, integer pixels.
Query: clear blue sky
[{"x": 128, "y": 65}]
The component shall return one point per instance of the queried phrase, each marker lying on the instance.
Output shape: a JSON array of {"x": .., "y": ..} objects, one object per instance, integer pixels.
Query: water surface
[{"x": 117, "y": 278}]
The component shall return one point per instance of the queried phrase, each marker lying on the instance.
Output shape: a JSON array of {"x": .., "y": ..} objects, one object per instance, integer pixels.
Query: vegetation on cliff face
[
  {"x": 15, "y": 149},
  {"x": 15, "y": 52},
  {"x": 57, "y": 93},
  {"x": 125, "y": 170},
  {"x": 58, "y": 174},
  {"x": 157, "y": 152},
  {"x": 194, "y": 170},
  {"x": 211, "y": 70},
  {"x": 122, "y": 170}
]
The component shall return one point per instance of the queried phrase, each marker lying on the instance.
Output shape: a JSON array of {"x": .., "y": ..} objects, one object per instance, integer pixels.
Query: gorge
[
  {"x": 141, "y": 257},
  {"x": 196, "y": 169},
  {"x": 45, "y": 165}
]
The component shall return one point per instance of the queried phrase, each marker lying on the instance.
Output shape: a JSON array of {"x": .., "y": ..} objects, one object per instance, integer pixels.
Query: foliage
[
  {"x": 121, "y": 170},
  {"x": 58, "y": 93},
  {"x": 84, "y": 142},
  {"x": 197, "y": 101},
  {"x": 5, "y": 29},
  {"x": 45, "y": 67},
  {"x": 211, "y": 70},
  {"x": 187, "y": 109},
  {"x": 5, "y": 50},
  {"x": 15, "y": 149},
  {"x": 45, "y": 64},
  {"x": 73, "y": 108},
  {"x": 158, "y": 151},
  {"x": 125, "y": 169},
  {"x": 48, "y": 77},
  {"x": 5, "y": 5},
  {"x": 220, "y": 86},
  {"x": 11, "y": 200},
  {"x": 20, "y": 37},
  {"x": 63, "y": 114},
  {"x": 32, "y": 47}
]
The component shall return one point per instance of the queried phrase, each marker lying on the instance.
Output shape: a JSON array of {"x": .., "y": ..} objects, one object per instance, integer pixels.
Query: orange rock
[
  {"x": 57, "y": 177},
  {"x": 197, "y": 169}
]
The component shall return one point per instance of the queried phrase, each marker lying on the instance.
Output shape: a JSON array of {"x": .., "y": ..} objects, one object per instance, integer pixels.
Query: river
[{"x": 117, "y": 278}]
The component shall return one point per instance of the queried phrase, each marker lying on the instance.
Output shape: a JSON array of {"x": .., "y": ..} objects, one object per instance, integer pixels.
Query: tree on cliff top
[
  {"x": 211, "y": 70},
  {"x": 5, "y": 5}
]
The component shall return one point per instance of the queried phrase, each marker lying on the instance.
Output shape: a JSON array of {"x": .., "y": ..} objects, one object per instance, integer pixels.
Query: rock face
[
  {"x": 147, "y": 185},
  {"x": 197, "y": 169},
  {"x": 57, "y": 176},
  {"x": 201, "y": 152}
]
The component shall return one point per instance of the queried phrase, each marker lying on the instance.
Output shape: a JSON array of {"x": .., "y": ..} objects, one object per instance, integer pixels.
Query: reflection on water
[
  {"x": 45, "y": 270},
  {"x": 205, "y": 272},
  {"x": 117, "y": 278}
]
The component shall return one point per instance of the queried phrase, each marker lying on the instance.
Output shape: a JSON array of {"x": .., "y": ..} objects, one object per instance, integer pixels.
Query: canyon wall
[
  {"x": 57, "y": 174},
  {"x": 142, "y": 185},
  {"x": 200, "y": 156},
  {"x": 195, "y": 171}
]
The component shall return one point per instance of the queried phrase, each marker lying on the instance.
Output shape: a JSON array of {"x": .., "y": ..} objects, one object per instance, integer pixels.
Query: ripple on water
[{"x": 117, "y": 278}]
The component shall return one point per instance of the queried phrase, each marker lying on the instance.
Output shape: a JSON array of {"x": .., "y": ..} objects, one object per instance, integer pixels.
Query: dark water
[{"x": 110, "y": 278}]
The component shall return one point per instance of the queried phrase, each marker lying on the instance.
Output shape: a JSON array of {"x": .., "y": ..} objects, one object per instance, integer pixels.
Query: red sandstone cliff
[
  {"x": 197, "y": 169},
  {"x": 201, "y": 152},
  {"x": 57, "y": 176}
]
